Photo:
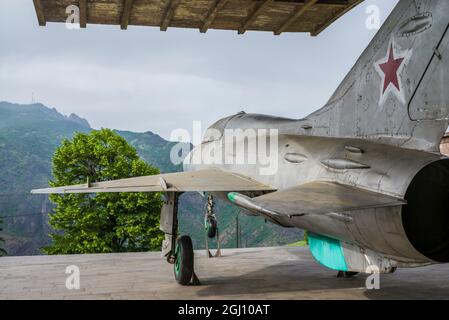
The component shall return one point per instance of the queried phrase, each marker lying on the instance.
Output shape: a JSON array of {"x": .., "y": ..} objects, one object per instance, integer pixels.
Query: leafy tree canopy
[{"x": 105, "y": 222}]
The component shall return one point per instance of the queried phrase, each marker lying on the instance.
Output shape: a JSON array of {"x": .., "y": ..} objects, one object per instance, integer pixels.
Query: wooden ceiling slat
[
  {"x": 124, "y": 20},
  {"x": 83, "y": 13},
  {"x": 340, "y": 13},
  {"x": 169, "y": 13},
  {"x": 295, "y": 16},
  {"x": 253, "y": 15},
  {"x": 40, "y": 12},
  {"x": 212, "y": 14}
]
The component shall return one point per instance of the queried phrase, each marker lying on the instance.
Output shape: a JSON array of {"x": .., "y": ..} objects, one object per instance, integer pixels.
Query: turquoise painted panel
[{"x": 328, "y": 252}]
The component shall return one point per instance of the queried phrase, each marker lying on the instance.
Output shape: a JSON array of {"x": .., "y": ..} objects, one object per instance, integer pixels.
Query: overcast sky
[{"x": 146, "y": 80}]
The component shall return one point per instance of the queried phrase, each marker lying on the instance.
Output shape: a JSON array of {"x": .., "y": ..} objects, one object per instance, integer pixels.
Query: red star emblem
[{"x": 390, "y": 69}]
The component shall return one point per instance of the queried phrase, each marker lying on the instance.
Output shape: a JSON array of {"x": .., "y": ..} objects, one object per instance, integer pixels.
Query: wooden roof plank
[{"x": 295, "y": 16}]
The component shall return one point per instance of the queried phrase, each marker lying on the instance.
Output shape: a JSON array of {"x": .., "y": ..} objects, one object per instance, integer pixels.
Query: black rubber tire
[
  {"x": 183, "y": 267},
  {"x": 211, "y": 227}
]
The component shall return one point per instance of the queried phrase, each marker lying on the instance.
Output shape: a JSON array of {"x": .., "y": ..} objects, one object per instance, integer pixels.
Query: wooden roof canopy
[{"x": 241, "y": 15}]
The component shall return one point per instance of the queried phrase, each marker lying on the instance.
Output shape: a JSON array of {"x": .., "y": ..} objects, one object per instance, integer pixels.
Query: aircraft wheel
[
  {"x": 211, "y": 227},
  {"x": 183, "y": 266}
]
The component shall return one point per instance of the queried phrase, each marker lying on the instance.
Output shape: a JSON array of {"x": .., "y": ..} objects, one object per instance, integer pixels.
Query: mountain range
[{"x": 30, "y": 134}]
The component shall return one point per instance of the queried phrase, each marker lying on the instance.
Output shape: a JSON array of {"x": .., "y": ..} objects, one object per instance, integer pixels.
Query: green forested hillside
[{"x": 29, "y": 134}]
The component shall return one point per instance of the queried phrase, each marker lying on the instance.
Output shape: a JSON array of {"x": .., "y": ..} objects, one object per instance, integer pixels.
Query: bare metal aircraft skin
[{"x": 363, "y": 174}]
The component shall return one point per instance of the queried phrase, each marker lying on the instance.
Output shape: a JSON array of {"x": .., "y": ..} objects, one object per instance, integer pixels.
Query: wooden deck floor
[{"x": 262, "y": 273}]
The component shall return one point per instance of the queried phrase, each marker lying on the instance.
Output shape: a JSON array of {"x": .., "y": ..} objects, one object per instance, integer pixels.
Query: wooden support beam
[
  {"x": 253, "y": 15},
  {"x": 83, "y": 13},
  {"x": 324, "y": 25},
  {"x": 295, "y": 16},
  {"x": 330, "y": 4},
  {"x": 212, "y": 14},
  {"x": 326, "y": 4},
  {"x": 124, "y": 20},
  {"x": 40, "y": 12},
  {"x": 169, "y": 13}
]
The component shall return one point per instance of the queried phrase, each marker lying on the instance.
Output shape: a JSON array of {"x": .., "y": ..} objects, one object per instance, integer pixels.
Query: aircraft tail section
[{"x": 397, "y": 93}]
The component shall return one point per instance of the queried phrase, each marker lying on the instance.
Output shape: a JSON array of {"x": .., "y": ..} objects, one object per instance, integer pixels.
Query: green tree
[
  {"x": 2, "y": 251},
  {"x": 105, "y": 222},
  {"x": 306, "y": 237}
]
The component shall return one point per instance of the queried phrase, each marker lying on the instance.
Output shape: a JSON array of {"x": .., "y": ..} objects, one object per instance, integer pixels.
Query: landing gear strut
[
  {"x": 211, "y": 227},
  {"x": 177, "y": 250}
]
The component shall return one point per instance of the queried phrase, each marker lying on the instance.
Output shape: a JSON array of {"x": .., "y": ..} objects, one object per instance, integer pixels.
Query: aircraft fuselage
[{"x": 300, "y": 159}]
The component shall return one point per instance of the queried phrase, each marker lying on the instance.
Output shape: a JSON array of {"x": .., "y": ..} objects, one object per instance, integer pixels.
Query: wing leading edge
[{"x": 208, "y": 180}]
